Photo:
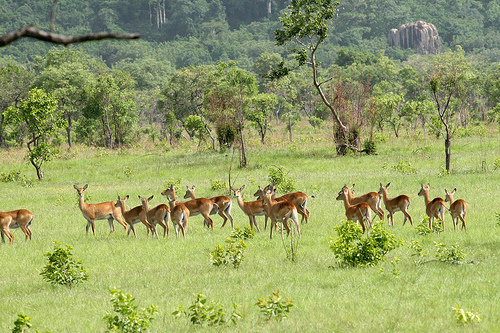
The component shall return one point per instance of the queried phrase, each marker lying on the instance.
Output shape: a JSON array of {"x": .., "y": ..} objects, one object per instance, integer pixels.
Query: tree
[
  {"x": 259, "y": 112},
  {"x": 391, "y": 106},
  {"x": 39, "y": 113}
]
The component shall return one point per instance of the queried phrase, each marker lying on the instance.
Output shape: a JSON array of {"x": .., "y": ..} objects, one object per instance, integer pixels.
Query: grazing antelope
[
  {"x": 458, "y": 209},
  {"x": 299, "y": 199},
  {"x": 157, "y": 215},
  {"x": 355, "y": 212},
  {"x": 21, "y": 218},
  {"x": 434, "y": 208},
  {"x": 133, "y": 216},
  {"x": 280, "y": 211},
  {"x": 250, "y": 208},
  {"x": 223, "y": 202},
  {"x": 99, "y": 211},
  {"x": 198, "y": 206},
  {"x": 373, "y": 199},
  {"x": 5, "y": 222},
  {"x": 179, "y": 214},
  {"x": 399, "y": 203}
]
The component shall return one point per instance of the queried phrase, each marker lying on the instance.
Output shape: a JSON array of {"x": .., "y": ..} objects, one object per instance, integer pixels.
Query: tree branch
[{"x": 31, "y": 32}]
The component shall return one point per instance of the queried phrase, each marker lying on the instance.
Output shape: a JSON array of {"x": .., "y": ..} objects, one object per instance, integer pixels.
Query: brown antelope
[
  {"x": 21, "y": 218},
  {"x": 355, "y": 212},
  {"x": 373, "y": 199},
  {"x": 458, "y": 209},
  {"x": 5, "y": 222},
  {"x": 299, "y": 199},
  {"x": 434, "y": 208},
  {"x": 157, "y": 215},
  {"x": 99, "y": 211},
  {"x": 179, "y": 214},
  {"x": 250, "y": 208},
  {"x": 280, "y": 211},
  {"x": 223, "y": 202},
  {"x": 133, "y": 216},
  {"x": 399, "y": 203},
  {"x": 198, "y": 206}
]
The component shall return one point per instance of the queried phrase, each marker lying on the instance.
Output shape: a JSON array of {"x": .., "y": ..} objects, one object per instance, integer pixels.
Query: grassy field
[{"x": 167, "y": 272}]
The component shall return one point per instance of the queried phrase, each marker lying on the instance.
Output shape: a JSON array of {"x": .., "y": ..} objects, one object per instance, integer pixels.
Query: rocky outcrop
[{"x": 421, "y": 36}]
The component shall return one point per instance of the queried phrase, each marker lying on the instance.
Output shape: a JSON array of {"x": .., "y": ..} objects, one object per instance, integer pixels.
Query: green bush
[
  {"x": 125, "y": 316},
  {"x": 465, "y": 317},
  {"x": 246, "y": 233},
  {"x": 351, "y": 249},
  {"x": 370, "y": 147},
  {"x": 281, "y": 180},
  {"x": 233, "y": 254},
  {"x": 62, "y": 269},
  {"x": 453, "y": 254},
  {"x": 275, "y": 307},
  {"x": 404, "y": 167}
]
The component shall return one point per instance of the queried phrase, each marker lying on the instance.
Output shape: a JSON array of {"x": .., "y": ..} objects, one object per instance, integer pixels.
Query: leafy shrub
[
  {"x": 204, "y": 311},
  {"x": 233, "y": 254},
  {"x": 22, "y": 324},
  {"x": 125, "y": 316},
  {"x": 496, "y": 163},
  {"x": 417, "y": 247},
  {"x": 465, "y": 317},
  {"x": 275, "y": 307},
  {"x": 16, "y": 176},
  {"x": 423, "y": 228},
  {"x": 217, "y": 184},
  {"x": 246, "y": 233},
  {"x": 380, "y": 137},
  {"x": 369, "y": 147},
  {"x": 281, "y": 180},
  {"x": 351, "y": 249},
  {"x": 62, "y": 269},
  {"x": 404, "y": 167},
  {"x": 176, "y": 182},
  {"x": 453, "y": 254},
  {"x": 316, "y": 122}
]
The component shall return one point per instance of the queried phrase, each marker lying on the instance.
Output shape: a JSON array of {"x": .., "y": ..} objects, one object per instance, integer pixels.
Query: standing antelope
[
  {"x": 21, "y": 218},
  {"x": 280, "y": 211},
  {"x": 99, "y": 211},
  {"x": 355, "y": 212},
  {"x": 458, "y": 209},
  {"x": 434, "y": 208},
  {"x": 250, "y": 208},
  {"x": 5, "y": 222},
  {"x": 299, "y": 199},
  {"x": 373, "y": 199},
  {"x": 179, "y": 214},
  {"x": 223, "y": 202},
  {"x": 196, "y": 206},
  {"x": 158, "y": 215},
  {"x": 133, "y": 216},
  {"x": 399, "y": 203}
]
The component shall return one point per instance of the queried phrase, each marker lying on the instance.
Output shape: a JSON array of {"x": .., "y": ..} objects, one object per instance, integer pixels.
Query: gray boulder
[{"x": 421, "y": 36}]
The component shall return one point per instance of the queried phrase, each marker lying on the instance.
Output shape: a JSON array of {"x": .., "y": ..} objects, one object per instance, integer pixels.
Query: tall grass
[{"x": 167, "y": 272}]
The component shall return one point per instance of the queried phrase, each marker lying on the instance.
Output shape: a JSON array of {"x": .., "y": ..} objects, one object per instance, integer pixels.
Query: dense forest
[{"x": 199, "y": 71}]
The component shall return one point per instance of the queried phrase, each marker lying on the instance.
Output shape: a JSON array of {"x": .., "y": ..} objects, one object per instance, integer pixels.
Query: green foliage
[
  {"x": 125, "y": 316},
  {"x": 246, "y": 233},
  {"x": 204, "y": 311},
  {"x": 316, "y": 122},
  {"x": 23, "y": 324},
  {"x": 233, "y": 254},
  {"x": 405, "y": 167},
  {"x": 217, "y": 184},
  {"x": 465, "y": 317},
  {"x": 176, "y": 182},
  {"x": 496, "y": 163},
  {"x": 452, "y": 255},
  {"x": 275, "y": 307},
  {"x": 351, "y": 249},
  {"x": 417, "y": 247},
  {"x": 16, "y": 176},
  {"x": 423, "y": 228},
  {"x": 281, "y": 180},
  {"x": 370, "y": 147},
  {"x": 62, "y": 269}
]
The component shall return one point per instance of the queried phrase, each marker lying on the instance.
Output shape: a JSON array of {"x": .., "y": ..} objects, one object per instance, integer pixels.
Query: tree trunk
[
  {"x": 447, "y": 150},
  {"x": 68, "y": 132}
]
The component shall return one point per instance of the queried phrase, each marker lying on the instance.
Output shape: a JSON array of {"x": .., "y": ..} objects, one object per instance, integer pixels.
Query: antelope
[
  {"x": 355, "y": 212},
  {"x": 434, "y": 208},
  {"x": 223, "y": 202},
  {"x": 21, "y": 218},
  {"x": 399, "y": 203},
  {"x": 133, "y": 216},
  {"x": 250, "y": 208},
  {"x": 99, "y": 211},
  {"x": 280, "y": 211},
  {"x": 458, "y": 209},
  {"x": 373, "y": 199},
  {"x": 158, "y": 215},
  {"x": 196, "y": 206},
  {"x": 179, "y": 215},
  {"x": 299, "y": 199},
  {"x": 5, "y": 222}
]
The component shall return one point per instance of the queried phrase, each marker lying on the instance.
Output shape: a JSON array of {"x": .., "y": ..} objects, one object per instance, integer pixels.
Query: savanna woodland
[{"x": 299, "y": 98}]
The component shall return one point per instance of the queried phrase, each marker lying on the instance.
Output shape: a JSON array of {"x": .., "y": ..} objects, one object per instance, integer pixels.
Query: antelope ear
[
  {"x": 389, "y": 184},
  {"x": 193, "y": 188},
  {"x": 76, "y": 187},
  {"x": 151, "y": 197},
  {"x": 126, "y": 197},
  {"x": 85, "y": 187},
  {"x": 241, "y": 188}
]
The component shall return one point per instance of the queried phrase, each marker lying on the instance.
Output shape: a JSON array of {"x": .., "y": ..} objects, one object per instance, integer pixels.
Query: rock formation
[{"x": 420, "y": 36}]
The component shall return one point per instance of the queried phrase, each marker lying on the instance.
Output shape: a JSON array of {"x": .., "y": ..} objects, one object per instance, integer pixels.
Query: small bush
[
  {"x": 275, "y": 307},
  {"x": 453, "y": 254},
  {"x": 281, "y": 180},
  {"x": 465, "y": 317},
  {"x": 217, "y": 184},
  {"x": 16, "y": 176},
  {"x": 246, "y": 233},
  {"x": 351, "y": 249},
  {"x": 496, "y": 163},
  {"x": 369, "y": 147},
  {"x": 62, "y": 269},
  {"x": 404, "y": 167},
  {"x": 316, "y": 122},
  {"x": 233, "y": 254},
  {"x": 125, "y": 316},
  {"x": 423, "y": 228}
]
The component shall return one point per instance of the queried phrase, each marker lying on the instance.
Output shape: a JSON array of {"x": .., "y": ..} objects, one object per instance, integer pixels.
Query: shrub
[
  {"x": 16, "y": 176},
  {"x": 496, "y": 163},
  {"x": 62, "y": 269},
  {"x": 217, "y": 184},
  {"x": 423, "y": 229},
  {"x": 281, "y": 180},
  {"x": 276, "y": 307},
  {"x": 465, "y": 317},
  {"x": 316, "y": 122},
  {"x": 351, "y": 249},
  {"x": 369, "y": 147},
  {"x": 125, "y": 316},
  {"x": 404, "y": 167},
  {"x": 233, "y": 254},
  {"x": 246, "y": 233},
  {"x": 453, "y": 254}
]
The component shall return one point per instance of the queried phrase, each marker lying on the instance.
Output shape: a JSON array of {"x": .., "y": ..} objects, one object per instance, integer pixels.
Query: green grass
[{"x": 167, "y": 272}]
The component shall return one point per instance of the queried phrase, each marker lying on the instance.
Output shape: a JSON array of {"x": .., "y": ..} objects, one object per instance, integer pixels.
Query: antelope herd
[{"x": 277, "y": 209}]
